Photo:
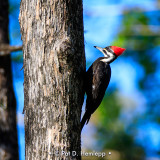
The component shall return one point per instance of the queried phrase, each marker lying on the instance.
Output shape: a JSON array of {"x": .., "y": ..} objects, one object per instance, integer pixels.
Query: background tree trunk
[
  {"x": 8, "y": 128},
  {"x": 54, "y": 65}
]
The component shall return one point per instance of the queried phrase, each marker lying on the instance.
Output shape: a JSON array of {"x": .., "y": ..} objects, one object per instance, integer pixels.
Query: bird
[{"x": 97, "y": 79}]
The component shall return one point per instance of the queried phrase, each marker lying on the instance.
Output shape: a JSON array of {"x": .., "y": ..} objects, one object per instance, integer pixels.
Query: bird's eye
[{"x": 104, "y": 51}]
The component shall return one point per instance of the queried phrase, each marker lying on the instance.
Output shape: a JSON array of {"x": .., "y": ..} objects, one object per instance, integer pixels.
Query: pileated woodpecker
[{"x": 97, "y": 79}]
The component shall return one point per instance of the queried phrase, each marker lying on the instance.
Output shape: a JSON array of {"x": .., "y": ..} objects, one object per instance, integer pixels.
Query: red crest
[{"x": 117, "y": 50}]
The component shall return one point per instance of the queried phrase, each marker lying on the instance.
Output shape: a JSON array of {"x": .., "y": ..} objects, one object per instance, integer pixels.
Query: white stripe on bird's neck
[
  {"x": 107, "y": 60},
  {"x": 108, "y": 57}
]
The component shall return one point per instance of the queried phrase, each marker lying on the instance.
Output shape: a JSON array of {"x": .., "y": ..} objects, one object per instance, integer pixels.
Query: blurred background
[{"x": 127, "y": 123}]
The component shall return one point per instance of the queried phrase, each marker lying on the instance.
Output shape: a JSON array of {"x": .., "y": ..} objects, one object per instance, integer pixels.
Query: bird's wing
[
  {"x": 99, "y": 74},
  {"x": 101, "y": 78}
]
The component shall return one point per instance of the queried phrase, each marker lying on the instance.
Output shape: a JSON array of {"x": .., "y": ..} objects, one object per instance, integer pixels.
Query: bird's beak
[{"x": 99, "y": 48}]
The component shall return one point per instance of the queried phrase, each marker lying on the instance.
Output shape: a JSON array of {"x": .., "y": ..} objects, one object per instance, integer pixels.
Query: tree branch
[{"x": 7, "y": 49}]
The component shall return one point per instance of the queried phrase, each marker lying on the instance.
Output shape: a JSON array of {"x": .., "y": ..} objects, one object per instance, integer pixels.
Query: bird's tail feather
[{"x": 85, "y": 119}]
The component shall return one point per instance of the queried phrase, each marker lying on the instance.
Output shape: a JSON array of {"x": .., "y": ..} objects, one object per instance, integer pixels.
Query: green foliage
[
  {"x": 109, "y": 111},
  {"x": 17, "y": 57}
]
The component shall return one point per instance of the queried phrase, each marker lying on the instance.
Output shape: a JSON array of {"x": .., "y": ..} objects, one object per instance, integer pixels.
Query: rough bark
[
  {"x": 54, "y": 66},
  {"x": 8, "y": 128}
]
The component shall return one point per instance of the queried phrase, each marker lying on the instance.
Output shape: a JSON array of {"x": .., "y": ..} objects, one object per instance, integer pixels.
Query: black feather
[{"x": 96, "y": 82}]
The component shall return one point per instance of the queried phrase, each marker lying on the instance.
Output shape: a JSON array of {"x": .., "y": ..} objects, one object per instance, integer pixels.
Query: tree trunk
[
  {"x": 8, "y": 128},
  {"x": 54, "y": 66}
]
